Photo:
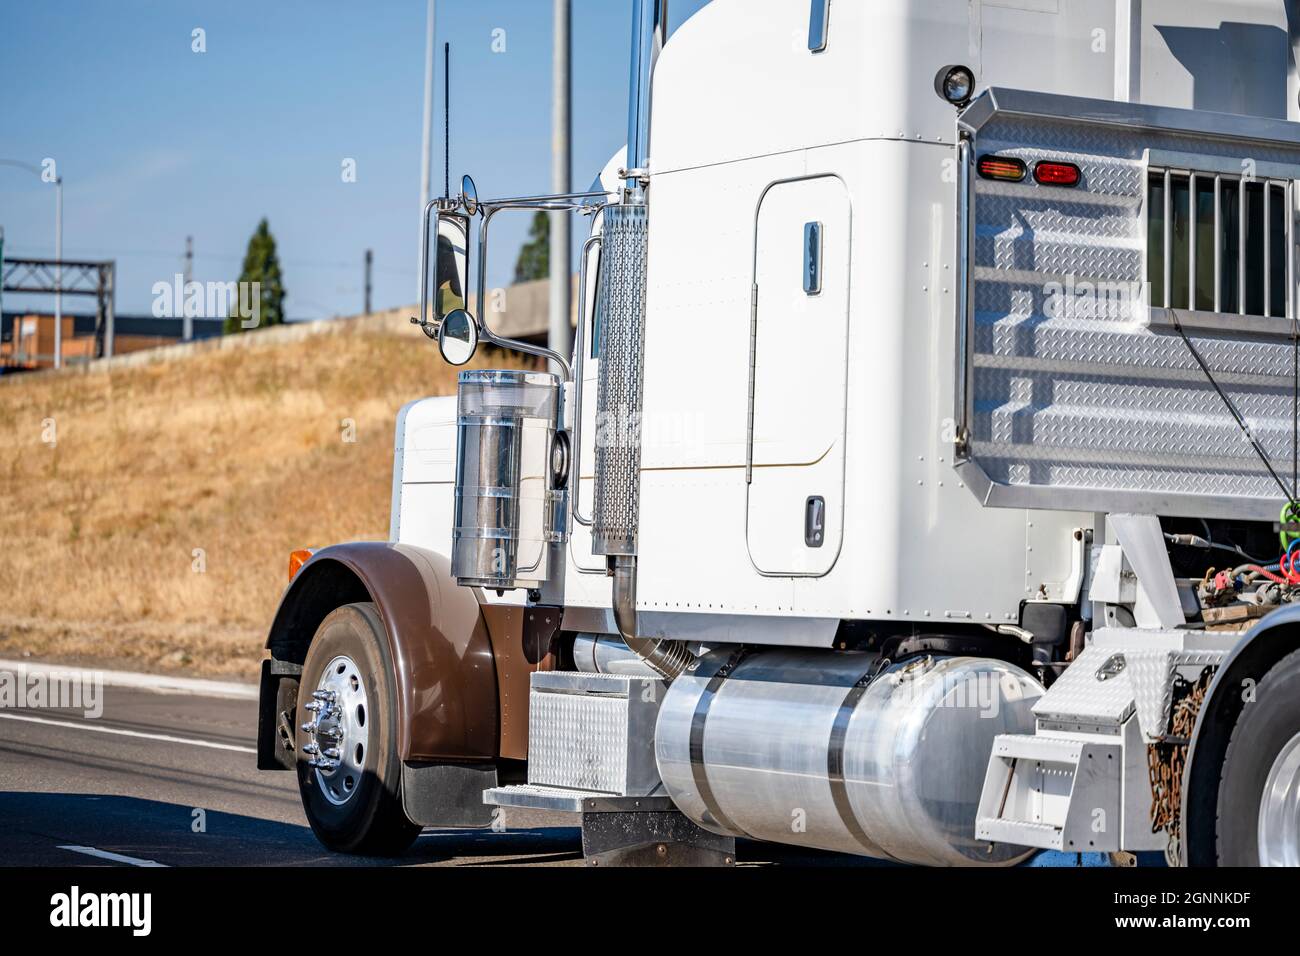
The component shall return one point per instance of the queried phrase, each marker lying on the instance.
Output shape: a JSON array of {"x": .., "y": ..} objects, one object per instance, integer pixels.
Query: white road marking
[
  {"x": 86, "y": 725},
  {"x": 115, "y": 857},
  {"x": 161, "y": 683}
]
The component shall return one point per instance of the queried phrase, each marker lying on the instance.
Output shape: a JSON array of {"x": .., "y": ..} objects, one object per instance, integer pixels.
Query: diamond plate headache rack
[
  {"x": 1070, "y": 394},
  {"x": 1136, "y": 117}
]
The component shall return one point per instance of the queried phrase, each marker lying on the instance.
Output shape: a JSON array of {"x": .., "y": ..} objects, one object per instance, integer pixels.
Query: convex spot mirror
[
  {"x": 458, "y": 337},
  {"x": 469, "y": 195},
  {"x": 451, "y": 266}
]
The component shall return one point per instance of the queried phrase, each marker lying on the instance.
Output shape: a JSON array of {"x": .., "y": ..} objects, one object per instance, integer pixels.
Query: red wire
[{"x": 1268, "y": 574}]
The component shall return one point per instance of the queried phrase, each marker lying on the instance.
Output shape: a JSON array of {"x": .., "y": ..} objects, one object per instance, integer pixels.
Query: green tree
[
  {"x": 262, "y": 266},
  {"x": 534, "y": 260}
]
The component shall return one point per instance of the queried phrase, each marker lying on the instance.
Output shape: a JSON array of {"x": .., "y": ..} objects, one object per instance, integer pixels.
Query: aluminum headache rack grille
[
  {"x": 1075, "y": 389},
  {"x": 1204, "y": 254}
]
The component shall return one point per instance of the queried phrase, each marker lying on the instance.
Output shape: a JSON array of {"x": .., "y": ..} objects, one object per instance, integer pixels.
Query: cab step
[{"x": 1054, "y": 792}]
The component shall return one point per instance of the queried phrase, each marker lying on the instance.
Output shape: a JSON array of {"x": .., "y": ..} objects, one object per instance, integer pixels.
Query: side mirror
[
  {"x": 451, "y": 266},
  {"x": 469, "y": 195},
  {"x": 458, "y": 337}
]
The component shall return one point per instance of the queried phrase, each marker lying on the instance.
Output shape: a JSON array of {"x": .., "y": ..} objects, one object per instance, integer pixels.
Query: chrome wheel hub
[
  {"x": 338, "y": 730},
  {"x": 1279, "y": 809}
]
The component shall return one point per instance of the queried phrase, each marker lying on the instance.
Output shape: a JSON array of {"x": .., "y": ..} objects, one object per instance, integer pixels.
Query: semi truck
[{"x": 922, "y": 483}]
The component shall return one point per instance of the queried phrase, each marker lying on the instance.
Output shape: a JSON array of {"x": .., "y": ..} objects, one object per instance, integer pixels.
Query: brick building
[{"x": 27, "y": 338}]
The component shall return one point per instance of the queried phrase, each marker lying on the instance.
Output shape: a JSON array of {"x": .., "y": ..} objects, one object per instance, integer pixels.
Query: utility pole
[
  {"x": 58, "y": 251},
  {"x": 110, "y": 315},
  {"x": 426, "y": 155},
  {"x": 370, "y": 259},
  {"x": 58, "y": 272},
  {"x": 187, "y": 322},
  {"x": 561, "y": 253}
]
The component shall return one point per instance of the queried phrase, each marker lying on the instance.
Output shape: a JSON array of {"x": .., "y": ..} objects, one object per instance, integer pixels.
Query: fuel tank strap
[
  {"x": 699, "y": 773},
  {"x": 835, "y": 755}
]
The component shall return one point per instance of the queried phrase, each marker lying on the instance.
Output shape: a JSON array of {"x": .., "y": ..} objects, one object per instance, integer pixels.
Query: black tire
[
  {"x": 371, "y": 821},
  {"x": 1266, "y": 724}
]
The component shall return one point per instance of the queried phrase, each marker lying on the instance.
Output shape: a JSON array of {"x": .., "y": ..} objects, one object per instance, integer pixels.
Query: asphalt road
[{"x": 170, "y": 779}]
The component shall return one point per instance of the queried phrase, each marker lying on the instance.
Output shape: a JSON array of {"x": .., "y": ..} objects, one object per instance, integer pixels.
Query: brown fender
[{"x": 438, "y": 645}]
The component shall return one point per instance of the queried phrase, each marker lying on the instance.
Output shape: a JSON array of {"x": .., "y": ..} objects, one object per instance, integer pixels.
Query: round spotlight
[{"x": 956, "y": 84}]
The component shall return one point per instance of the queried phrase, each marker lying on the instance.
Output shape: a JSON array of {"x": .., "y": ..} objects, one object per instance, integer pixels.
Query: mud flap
[
  {"x": 277, "y": 701},
  {"x": 447, "y": 795}
]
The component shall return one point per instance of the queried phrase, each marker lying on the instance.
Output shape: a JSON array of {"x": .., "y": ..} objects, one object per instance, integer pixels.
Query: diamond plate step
[
  {"x": 534, "y": 797},
  {"x": 1056, "y": 793}
]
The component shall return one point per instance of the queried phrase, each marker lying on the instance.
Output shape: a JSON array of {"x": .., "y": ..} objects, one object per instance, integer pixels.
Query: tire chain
[{"x": 1167, "y": 759}]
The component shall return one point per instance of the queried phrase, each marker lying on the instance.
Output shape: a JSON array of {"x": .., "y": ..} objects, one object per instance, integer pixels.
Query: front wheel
[
  {"x": 1258, "y": 820},
  {"x": 349, "y": 773}
]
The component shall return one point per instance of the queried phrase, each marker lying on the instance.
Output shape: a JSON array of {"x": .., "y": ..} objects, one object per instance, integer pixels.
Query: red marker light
[
  {"x": 1004, "y": 168},
  {"x": 1056, "y": 174}
]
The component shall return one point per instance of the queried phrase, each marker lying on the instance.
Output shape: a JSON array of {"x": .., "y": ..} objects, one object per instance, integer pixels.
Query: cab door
[{"x": 798, "y": 357}]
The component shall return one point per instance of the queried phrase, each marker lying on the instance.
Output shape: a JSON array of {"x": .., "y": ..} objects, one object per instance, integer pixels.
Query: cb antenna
[{"x": 446, "y": 119}]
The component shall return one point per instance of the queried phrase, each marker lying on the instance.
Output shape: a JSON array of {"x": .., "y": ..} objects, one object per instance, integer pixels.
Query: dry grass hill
[{"x": 147, "y": 512}]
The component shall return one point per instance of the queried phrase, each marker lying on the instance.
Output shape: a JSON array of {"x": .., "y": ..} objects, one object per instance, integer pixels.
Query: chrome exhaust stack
[
  {"x": 667, "y": 657},
  {"x": 616, "y": 513},
  {"x": 649, "y": 34}
]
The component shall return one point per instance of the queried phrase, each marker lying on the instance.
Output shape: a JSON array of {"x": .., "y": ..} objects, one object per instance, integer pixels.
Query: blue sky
[{"x": 156, "y": 142}]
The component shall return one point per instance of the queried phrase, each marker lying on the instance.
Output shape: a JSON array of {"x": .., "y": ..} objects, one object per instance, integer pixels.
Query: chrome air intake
[
  {"x": 505, "y": 504},
  {"x": 618, "y": 398},
  {"x": 815, "y": 748}
]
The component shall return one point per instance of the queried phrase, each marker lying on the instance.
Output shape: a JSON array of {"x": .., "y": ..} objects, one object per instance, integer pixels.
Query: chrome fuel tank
[{"x": 815, "y": 748}]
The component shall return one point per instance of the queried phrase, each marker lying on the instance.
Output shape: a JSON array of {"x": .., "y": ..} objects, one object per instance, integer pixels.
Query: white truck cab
[{"x": 923, "y": 475}]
